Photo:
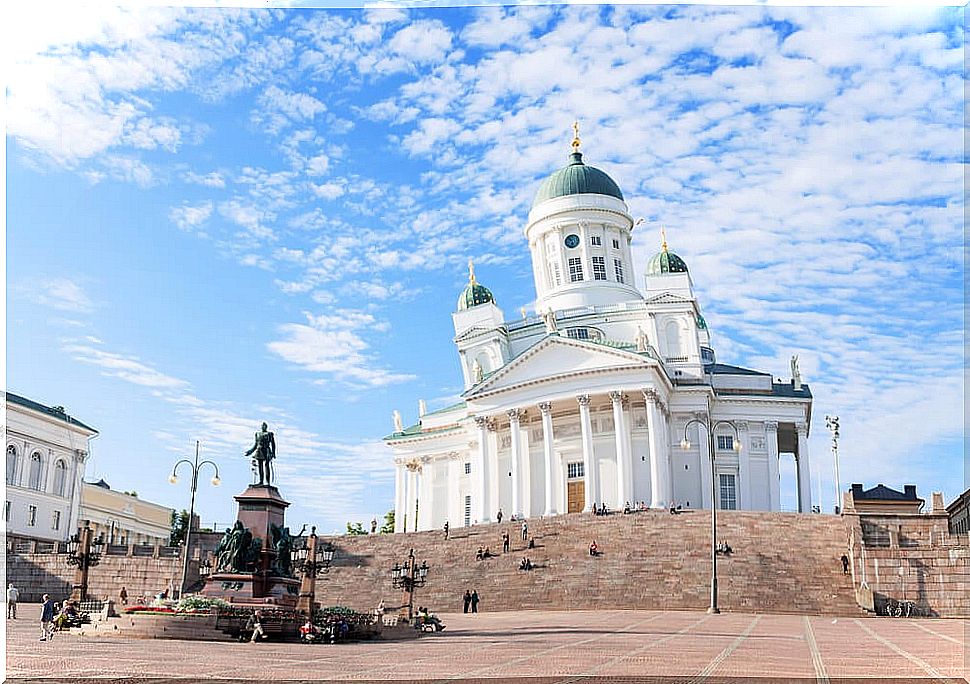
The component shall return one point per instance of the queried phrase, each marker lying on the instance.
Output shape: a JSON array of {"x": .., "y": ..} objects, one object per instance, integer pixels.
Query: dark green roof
[
  {"x": 666, "y": 262},
  {"x": 577, "y": 178},
  {"x": 55, "y": 411},
  {"x": 474, "y": 294}
]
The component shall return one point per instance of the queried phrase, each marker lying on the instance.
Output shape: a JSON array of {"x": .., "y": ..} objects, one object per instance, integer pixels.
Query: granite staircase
[{"x": 780, "y": 563}]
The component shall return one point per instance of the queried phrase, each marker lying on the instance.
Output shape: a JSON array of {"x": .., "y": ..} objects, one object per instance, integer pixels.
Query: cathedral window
[
  {"x": 468, "y": 511},
  {"x": 729, "y": 498},
  {"x": 725, "y": 442},
  {"x": 555, "y": 274},
  {"x": 6, "y": 511},
  {"x": 33, "y": 478},
  {"x": 596, "y": 240},
  {"x": 60, "y": 478},
  {"x": 11, "y": 464},
  {"x": 468, "y": 469},
  {"x": 616, "y": 244},
  {"x": 31, "y": 516},
  {"x": 618, "y": 270},
  {"x": 599, "y": 268},
  {"x": 575, "y": 470},
  {"x": 578, "y": 333},
  {"x": 575, "y": 270},
  {"x": 56, "y": 522}
]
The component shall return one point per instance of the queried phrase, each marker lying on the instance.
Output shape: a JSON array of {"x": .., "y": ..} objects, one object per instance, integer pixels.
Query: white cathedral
[{"x": 604, "y": 397}]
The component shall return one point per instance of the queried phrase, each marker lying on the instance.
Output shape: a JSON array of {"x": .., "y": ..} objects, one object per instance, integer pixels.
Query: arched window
[
  {"x": 11, "y": 464},
  {"x": 33, "y": 477},
  {"x": 672, "y": 334},
  {"x": 60, "y": 477}
]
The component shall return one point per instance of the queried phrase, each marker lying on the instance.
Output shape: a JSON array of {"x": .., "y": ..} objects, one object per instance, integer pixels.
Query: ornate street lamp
[
  {"x": 408, "y": 576},
  {"x": 832, "y": 423},
  {"x": 83, "y": 552},
  {"x": 304, "y": 559},
  {"x": 685, "y": 444},
  {"x": 173, "y": 478}
]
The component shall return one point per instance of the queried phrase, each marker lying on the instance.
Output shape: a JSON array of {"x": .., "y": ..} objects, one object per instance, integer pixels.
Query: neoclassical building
[
  {"x": 46, "y": 454},
  {"x": 603, "y": 395}
]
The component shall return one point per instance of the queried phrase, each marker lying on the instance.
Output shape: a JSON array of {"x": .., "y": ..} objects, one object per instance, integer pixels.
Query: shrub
[{"x": 200, "y": 604}]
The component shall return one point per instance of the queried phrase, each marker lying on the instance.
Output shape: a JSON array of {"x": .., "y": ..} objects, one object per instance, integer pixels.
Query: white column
[
  {"x": 425, "y": 502},
  {"x": 658, "y": 497},
  {"x": 774, "y": 481},
  {"x": 515, "y": 468},
  {"x": 589, "y": 466},
  {"x": 454, "y": 497},
  {"x": 413, "y": 503},
  {"x": 704, "y": 448},
  {"x": 480, "y": 472},
  {"x": 399, "y": 502},
  {"x": 744, "y": 467},
  {"x": 804, "y": 471},
  {"x": 620, "y": 438},
  {"x": 551, "y": 470}
]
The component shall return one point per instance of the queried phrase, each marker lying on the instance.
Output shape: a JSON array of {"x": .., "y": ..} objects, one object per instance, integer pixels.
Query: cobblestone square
[{"x": 538, "y": 645}]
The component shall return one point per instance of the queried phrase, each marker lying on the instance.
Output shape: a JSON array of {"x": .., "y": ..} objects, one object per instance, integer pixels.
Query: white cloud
[
  {"x": 62, "y": 294},
  {"x": 318, "y": 165},
  {"x": 124, "y": 367},
  {"x": 213, "y": 179},
  {"x": 333, "y": 345},
  {"x": 188, "y": 217},
  {"x": 279, "y": 108},
  {"x": 250, "y": 218}
]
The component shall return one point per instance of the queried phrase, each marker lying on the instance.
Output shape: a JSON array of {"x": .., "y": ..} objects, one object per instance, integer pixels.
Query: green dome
[
  {"x": 576, "y": 179},
  {"x": 474, "y": 295},
  {"x": 665, "y": 262}
]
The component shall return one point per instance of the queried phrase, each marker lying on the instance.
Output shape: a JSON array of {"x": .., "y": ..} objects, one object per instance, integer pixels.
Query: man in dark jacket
[
  {"x": 466, "y": 600},
  {"x": 47, "y": 618},
  {"x": 475, "y": 601}
]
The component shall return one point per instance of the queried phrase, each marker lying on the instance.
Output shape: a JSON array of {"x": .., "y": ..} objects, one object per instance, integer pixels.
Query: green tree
[
  {"x": 180, "y": 523},
  {"x": 356, "y": 529},
  {"x": 388, "y": 526},
  {"x": 132, "y": 493}
]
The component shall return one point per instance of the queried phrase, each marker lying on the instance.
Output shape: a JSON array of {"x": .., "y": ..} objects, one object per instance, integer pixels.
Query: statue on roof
[
  {"x": 549, "y": 318},
  {"x": 478, "y": 374},
  {"x": 398, "y": 424},
  {"x": 263, "y": 452},
  {"x": 796, "y": 374},
  {"x": 642, "y": 340}
]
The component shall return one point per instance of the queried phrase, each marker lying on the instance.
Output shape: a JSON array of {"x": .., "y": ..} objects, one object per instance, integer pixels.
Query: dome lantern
[
  {"x": 665, "y": 261},
  {"x": 474, "y": 293},
  {"x": 576, "y": 178}
]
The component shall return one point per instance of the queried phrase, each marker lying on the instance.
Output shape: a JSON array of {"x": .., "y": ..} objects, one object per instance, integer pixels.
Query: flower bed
[{"x": 149, "y": 609}]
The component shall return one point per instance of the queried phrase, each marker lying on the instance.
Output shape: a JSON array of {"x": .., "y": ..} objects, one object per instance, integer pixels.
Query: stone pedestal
[{"x": 260, "y": 507}]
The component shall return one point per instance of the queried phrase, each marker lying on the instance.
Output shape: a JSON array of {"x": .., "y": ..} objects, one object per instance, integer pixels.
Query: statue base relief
[{"x": 260, "y": 508}]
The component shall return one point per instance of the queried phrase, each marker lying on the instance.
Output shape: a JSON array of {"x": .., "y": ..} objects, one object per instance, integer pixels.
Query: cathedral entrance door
[{"x": 575, "y": 496}]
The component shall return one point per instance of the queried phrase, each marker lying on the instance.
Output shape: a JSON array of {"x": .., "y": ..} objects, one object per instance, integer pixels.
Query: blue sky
[{"x": 221, "y": 216}]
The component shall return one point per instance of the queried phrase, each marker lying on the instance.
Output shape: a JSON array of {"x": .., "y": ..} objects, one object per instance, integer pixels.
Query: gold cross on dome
[{"x": 576, "y": 141}]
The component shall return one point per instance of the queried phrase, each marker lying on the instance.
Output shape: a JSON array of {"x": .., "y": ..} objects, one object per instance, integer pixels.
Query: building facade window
[
  {"x": 468, "y": 511},
  {"x": 578, "y": 333},
  {"x": 555, "y": 274},
  {"x": 725, "y": 442},
  {"x": 575, "y": 270},
  {"x": 33, "y": 477},
  {"x": 596, "y": 240},
  {"x": 575, "y": 470},
  {"x": 599, "y": 268},
  {"x": 56, "y": 522},
  {"x": 616, "y": 244},
  {"x": 31, "y": 516},
  {"x": 468, "y": 468},
  {"x": 618, "y": 270},
  {"x": 60, "y": 477},
  {"x": 6, "y": 511},
  {"x": 729, "y": 497},
  {"x": 11, "y": 464}
]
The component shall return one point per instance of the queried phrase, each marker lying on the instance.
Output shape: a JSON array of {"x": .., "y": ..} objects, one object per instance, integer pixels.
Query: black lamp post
[
  {"x": 84, "y": 552},
  {"x": 685, "y": 444},
  {"x": 408, "y": 576},
  {"x": 304, "y": 559},
  {"x": 173, "y": 478}
]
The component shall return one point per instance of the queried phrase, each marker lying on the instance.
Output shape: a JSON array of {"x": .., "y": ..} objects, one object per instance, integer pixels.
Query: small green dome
[
  {"x": 577, "y": 178},
  {"x": 665, "y": 262},
  {"x": 474, "y": 294}
]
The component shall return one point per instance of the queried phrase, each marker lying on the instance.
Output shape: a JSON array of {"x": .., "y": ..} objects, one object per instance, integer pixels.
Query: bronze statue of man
[{"x": 263, "y": 451}]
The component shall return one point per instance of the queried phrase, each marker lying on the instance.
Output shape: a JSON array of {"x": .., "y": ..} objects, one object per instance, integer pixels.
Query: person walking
[
  {"x": 525, "y": 530},
  {"x": 47, "y": 618},
  {"x": 466, "y": 601},
  {"x": 844, "y": 559},
  {"x": 475, "y": 600},
  {"x": 123, "y": 595},
  {"x": 506, "y": 542},
  {"x": 447, "y": 527},
  {"x": 255, "y": 624},
  {"x": 498, "y": 516},
  {"x": 13, "y": 595}
]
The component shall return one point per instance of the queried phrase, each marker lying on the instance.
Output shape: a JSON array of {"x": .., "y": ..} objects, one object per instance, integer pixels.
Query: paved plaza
[{"x": 547, "y": 646}]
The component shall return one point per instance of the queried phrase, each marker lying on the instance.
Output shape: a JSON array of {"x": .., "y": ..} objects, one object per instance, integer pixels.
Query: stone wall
[
  {"x": 911, "y": 558},
  {"x": 143, "y": 571}
]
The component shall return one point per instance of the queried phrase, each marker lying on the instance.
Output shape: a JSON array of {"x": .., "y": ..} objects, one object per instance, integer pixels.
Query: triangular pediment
[
  {"x": 556, "y": 357},
  {"x": 668, "y": 298}
]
